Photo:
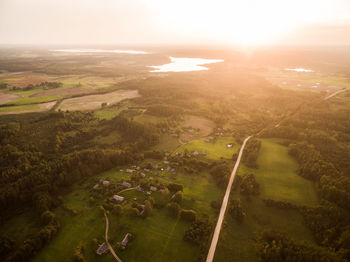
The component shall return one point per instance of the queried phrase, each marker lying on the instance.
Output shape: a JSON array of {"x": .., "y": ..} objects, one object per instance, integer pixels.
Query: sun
[{"x": 249, "y": 22}]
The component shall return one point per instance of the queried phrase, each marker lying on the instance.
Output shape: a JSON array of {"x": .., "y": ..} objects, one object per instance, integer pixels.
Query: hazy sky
[{"x": 174, "y": 21}]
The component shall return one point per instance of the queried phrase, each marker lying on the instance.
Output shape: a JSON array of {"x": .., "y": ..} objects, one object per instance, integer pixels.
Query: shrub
[{"x": 188, "y": 215}]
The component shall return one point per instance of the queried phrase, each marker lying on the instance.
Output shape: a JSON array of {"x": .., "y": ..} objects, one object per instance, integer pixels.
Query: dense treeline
[
  {"x": 248, "y": 184},
  {"x": 220, "y": 172},
  {"x": 273, "y": 246},
  {"x": 43, "y": 85},
  {"x": 236, "y": 210},
  {"x": 251, "y": 153}
]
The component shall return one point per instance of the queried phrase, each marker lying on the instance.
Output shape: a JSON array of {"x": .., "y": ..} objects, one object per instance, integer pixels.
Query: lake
[
  {"x": 184, "y": 64},
  {"x": 299, "y": 70}
]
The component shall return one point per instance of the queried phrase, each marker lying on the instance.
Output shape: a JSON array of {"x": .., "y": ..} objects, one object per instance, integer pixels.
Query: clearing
[
  {"x": 214, "y": 150},
  {"x": 205, "y": 127},
  {"x": 92, "y": 102},
  {"x": 278, "y": 180}
]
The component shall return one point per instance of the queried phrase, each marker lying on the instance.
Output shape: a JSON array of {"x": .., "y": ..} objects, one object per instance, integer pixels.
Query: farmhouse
[
  {"x": 102, "y": 248},
  {"x": 143, "y": 175},
  {"x": 129, "y": 170},
  {"x": 195, "y": 153},
  {"x": 105, "y": 183},
  {"x": 208, "y": 139},
  {"x": 139, "y": 188},
  {"x": 126, "y": 184},
  {"x": 230, "y": 145},
  {"x": 153, "y": 188},
  {"x": 118, "y": 198}
]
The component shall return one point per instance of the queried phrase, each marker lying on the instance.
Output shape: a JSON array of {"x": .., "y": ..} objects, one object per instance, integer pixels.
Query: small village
[{"x": 146, "y": 181}]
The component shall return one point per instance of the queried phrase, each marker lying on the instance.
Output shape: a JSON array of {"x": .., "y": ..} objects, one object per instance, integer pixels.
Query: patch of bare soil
[
  {"x": 69, "y": 91},
  {"x": 93, "y": 102},
  {"x": 5, "y": 98}
]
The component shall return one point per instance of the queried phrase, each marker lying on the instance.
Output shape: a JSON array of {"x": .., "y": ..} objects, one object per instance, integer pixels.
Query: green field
[
  {"x": 158, "y": 237},
  {"x": 18, "y": 108},
  {"x": 278, "y": 180},
  {"x": 167, "y": 143},
  {"x": 34, "y": 100},
  {"x": 214, "y": 150},
  {"x": 108, "y": 113},
  {"x": 146, "y": 118}
]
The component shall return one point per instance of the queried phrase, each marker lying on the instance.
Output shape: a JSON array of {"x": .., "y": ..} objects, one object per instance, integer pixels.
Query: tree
[
  {"x": 174, "y": 209},
  {"x": 47, "y": 217},
  {"x": 177, "y": 197},
  {"x": 188, "y": 215},
  {"x": 134, "y": 212},
  {"x": 236, "y": 210},
  {"x": 173, "y": 187}
]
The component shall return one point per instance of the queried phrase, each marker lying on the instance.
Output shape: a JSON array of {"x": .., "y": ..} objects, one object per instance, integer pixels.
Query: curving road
[
  {"x": 108, "y": 244},
  {"x": 215, "y": 239}
]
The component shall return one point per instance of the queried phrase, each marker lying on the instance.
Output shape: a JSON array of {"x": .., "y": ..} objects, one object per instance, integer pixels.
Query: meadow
[
  {"x": 278, "y": 180},
  {"x": 214, "y": 150}
]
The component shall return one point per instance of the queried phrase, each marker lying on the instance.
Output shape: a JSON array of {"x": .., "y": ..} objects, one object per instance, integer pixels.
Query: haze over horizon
[{"x": 251, "y": 22}]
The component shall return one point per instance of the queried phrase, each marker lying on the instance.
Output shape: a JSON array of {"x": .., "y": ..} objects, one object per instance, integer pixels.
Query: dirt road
[
  {"x": 216, "y": 234},
  {"x": 106, "y": 237}
]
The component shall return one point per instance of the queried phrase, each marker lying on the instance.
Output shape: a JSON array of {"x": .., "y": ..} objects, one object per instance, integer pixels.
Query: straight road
[
  {"x": 215, "y": 239},
  {"x": 335, "y": 93}
]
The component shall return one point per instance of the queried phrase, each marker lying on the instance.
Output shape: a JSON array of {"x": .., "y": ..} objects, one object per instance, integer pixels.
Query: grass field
[
  {"x": 146, "y": 118},
  {"x": 109, "y": 139},
  {"x": 167, "y": 143},
  {"x": 108, "y": 113},
  {"x": 205, "y": 127},
  {"x": 27, "y": 108},
  {"x": 214, "y": 150},
  {"x": 278, "y": 180},
  {"x": 34, "y": 100}
]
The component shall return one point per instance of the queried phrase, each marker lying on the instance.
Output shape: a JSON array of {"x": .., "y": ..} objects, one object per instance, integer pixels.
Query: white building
[{"x": 118, "y": 198}]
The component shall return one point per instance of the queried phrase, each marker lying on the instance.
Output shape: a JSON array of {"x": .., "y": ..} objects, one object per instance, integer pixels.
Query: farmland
[{"x": 83, "y": 135}]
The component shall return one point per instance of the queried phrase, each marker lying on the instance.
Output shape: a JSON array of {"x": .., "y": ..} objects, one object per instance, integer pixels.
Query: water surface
[
  {"x": 299, "y": 70},
  {"x": 184, "y": 64}
]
